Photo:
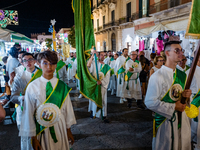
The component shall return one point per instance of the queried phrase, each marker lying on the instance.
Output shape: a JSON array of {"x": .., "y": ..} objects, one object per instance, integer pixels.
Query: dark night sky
[{"x": 35, "y": 15}]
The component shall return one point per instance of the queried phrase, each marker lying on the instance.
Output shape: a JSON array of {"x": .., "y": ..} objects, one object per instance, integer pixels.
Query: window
[
  {"x": 128, "y": 11},
  {"x": 113, "y": 17},
  {"x": 97, "y": 24},
  {"x": 104, "y": 20},
  {"x": 144, "y": 7}
]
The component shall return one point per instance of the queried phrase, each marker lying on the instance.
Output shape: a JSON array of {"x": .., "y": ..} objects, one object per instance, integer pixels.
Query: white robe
[
  {"x": 107, "y": 60},
  {"x": 71, "y": 72},
  {"x": 134, "y": 88},
  {"x": 159, "y": 84},
  {"x": 92, "y": 106},
  {"x": 155, "y": 69},
  {"x": 62, "y": 74},
  {"x": 195, "y": 126},
  {"x": 120, "y": 87},
  {"x": 34, "y": 97},
  {"x": 113, "y": 82}
]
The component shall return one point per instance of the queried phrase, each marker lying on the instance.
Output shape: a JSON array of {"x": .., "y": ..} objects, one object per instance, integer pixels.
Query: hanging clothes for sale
[
  {"x": 160, "y": 46},
  {"x": 141, "y": 45}
]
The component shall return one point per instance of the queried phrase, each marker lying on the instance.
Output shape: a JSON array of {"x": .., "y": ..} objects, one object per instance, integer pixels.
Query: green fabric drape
[{"x": 84, "y": 42}]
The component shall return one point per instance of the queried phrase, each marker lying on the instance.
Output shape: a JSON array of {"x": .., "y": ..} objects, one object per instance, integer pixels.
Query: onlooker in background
[
  {"x": 164, "y": 56},
  {"x": 143, "y": 74},
  {"x": 182, "y": 64},
  {"x": 158, "y": 61},
  {"x": 153, "y": 55},
  {"x": 6, "y": 77},
  {"x": 147, "y": 62}
]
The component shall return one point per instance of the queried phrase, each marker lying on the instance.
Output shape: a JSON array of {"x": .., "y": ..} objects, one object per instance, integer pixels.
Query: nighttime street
[{"x": 129, "y": 129}]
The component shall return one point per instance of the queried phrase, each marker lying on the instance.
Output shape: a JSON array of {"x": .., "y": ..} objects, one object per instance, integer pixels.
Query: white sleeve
[
  {"x": 28, "y": 127},
  {"x": 152, "y": 100},
  {"x": 105, "y": 80}
]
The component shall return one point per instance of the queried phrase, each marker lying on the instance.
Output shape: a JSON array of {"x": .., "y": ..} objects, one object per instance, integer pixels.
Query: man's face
[
  {"x": 75, "y": 55},
  {"x": 110, "y": 54},
  {"x": 133, "y": 55},
  {"x": 160, "y": 61},
  {"x": 20, "y": 58},
  {"x": 105, "y": 55},
  {"x": 115, "y": 56},
  {"x": 47, "y": 67},
  {"x": 71, "y": 55},
  {"x": 101, "y": 57},
  {"x": 125, "y": 52},
  {"x": 175, "y": 53},
  {"x": 28, "y": 62}
]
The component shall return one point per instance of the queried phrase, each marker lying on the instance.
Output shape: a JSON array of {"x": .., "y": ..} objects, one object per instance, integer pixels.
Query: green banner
[
  {"x": 193, "y": 30},
  {"x": 84, "y": 34}
]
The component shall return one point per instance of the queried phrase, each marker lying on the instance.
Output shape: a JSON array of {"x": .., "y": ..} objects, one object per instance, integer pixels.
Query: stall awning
[
  {"x": 175, "y": 25},
  {"x": 11, "y": 36}
]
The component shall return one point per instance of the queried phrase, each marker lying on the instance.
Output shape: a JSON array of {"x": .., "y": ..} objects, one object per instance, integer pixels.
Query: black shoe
[
  {"x": 106, "y": 121},
  {"x": 141, "y": 107}
]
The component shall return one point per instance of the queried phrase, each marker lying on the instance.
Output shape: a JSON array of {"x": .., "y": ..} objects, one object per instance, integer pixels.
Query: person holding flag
[{"x": 21, "y": 81}]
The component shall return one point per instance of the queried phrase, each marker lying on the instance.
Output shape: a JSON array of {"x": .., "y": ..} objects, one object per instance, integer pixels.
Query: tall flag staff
[{"x": 53, "y": 22}]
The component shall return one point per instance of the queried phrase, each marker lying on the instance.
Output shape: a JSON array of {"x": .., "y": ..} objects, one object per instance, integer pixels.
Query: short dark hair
[
  {"x": 124, "y": 49},
  {"x": 109, "y": 51},
  {"x": 168, "y": 44},
  {"x": 4, "y": 59},
  {"x": 14, "y": 52},
  {"x": 35, "y": 55},
  {"x": 22, "y": 52},
  {"x": 117, "y": 54},
  {"x": 27, "y": 54},
  {"x": 153, "y": 55},
  {"x": 48, "y": 55}
]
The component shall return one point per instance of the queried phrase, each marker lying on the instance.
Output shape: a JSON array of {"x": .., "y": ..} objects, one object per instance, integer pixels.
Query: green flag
[
  {"x": 193, "y": 29},
  {"x": 84, "y": 42}
]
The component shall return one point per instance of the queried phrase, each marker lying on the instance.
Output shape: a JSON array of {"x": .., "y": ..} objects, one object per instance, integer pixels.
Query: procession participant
[
  {"x": 158, "y": 61},
  {"x": 120, "y": 69},
  {"x": 61, "y": 71},
  {"x": 109, "y": 59},
  {"x": 194, "y": 107},
  {"x": 104, "y": 77},
  {"x": 165, "y": 89},
  {"x": 71, "y": 72},
  {"x": 20, "y": 84},
  {"x": 133, "y": 89},
  {"x": 182, "y": 64},
  {"x": 152, "y": 56},
  {"x": 48, "y": 113},
  {"x": 113, "y": 83}
]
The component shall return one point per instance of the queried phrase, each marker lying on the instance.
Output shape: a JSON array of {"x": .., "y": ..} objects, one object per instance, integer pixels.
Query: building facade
[{"x": 121, "y": 23}]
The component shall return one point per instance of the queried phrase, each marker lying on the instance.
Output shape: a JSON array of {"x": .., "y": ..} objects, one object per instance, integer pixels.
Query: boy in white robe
[
  {"x": 120, "y": 69},
  {"x": 162, "y": 98},
  {"x": 71, "y": 71},
  {"x": 133, "y": 88},
  {"x": 37, "y": 94},
  {"x": 104, "y": 80},
  {"x": 195, "y": 121},
  {"x": 113, "y": 82},
  {"x": 21, "y": 81}
]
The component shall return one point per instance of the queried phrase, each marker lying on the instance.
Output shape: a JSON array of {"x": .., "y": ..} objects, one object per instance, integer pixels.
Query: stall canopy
[
  {"x": 175, "y": 25},
  {"x": 11, "y": 36}
]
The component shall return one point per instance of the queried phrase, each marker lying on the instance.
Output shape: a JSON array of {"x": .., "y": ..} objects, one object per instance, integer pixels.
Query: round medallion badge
[
  {"x": 175, "y": 92},
  {"x": 135, "y": 65},
  {"x": 48, "y": 114}
]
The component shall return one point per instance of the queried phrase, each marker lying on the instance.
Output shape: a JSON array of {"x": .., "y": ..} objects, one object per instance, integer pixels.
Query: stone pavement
[{"x": 129, "y": 129}]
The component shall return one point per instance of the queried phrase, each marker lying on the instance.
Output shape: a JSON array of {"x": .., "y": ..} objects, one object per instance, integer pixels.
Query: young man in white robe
[
  {"x": 104, "y": 77},
  {"x": 108, "y": 59},
  {"x": 71, "y": 71},
  {"x": 195, "y": 117},
  {"x": 132, "y": 81},
  {"x": 165, "y": 90},
  {"x": 182, "y": 64},
  {"x": 113, "y": 82},
  {"x": 48, "y": 113},
  {"x": 21, "y": 81},
  {"x": 61, "y": 70},
  {"x": 120, "y": 68}
]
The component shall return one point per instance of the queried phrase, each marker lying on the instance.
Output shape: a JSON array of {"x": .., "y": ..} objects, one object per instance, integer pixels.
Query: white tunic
[
  {"x": 134, "y": 86},
  {"x": 107, "y": 60},
  {"x": 62, "y": 74},
  {"x": 71, "y": 72},
  {"x": 155, "y": 69},
  {"x": 34, "y": 97},
  {"x": 159, "y": 84},
  {"x": 113, "y": 81},
  {"x": 120, "y": 87},
  {"x": 104, "y": 86},
  {"x": 195, "y": 126}
]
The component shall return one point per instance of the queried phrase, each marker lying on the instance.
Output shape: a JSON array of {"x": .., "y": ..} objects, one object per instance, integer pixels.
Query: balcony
[{"x": 166, "y": 4}]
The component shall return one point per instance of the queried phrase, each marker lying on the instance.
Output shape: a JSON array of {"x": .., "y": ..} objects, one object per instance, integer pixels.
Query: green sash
[
  {"x": 129, "y": 75},
  {"x": 104, "y": 69},
  {"x": 60, "y": 64},
  {"x": 35, "y": 76},
  {"x": 57, "y": 97},
  {"x": 193, "y": 110},
  {"x": 112, "y": 58},
  {"x": 112, "y": 72},
  {"x": 179, "y": 78},
  {"x": 70, "y": 65},
  {"x": 73, "y": 59},
  {"x": 187, "y": 67}
]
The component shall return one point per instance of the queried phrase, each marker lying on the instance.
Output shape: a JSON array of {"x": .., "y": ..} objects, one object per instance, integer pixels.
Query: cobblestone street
[{"x": 129, "y": 129}]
